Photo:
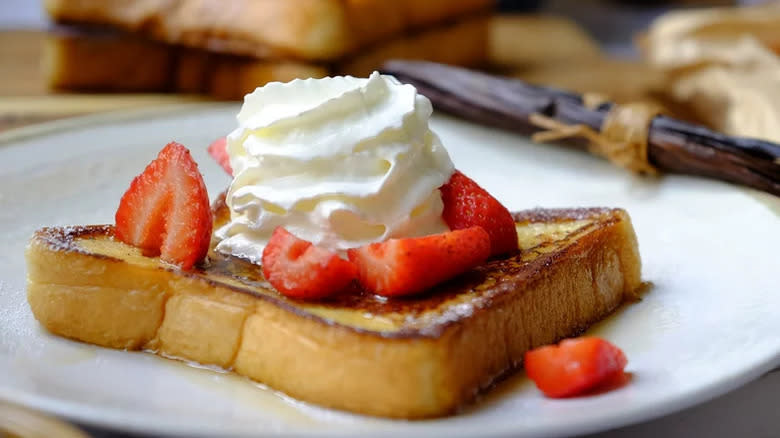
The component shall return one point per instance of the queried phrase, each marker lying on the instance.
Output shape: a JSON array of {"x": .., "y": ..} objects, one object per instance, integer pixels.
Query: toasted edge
[
  {"x": 322, "y": 30},
  {"x": 89, "y": 58}
]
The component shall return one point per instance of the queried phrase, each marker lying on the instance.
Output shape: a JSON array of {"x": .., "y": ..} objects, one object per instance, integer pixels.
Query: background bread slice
[
  {"x": 462, "y": 43},
  {"x": 231, "y": 77},
  {"x": 107, "y": 61},
  {"x": 417, "y": 358},
  {"x": 518, "y": 41},
  {"x": 305, "y": 29},
  {"x": 102, "y": 61},
  {"x": 81, "y": 58}
]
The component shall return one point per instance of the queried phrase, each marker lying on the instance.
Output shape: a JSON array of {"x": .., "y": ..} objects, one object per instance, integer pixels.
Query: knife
[{"x": 668, "y": 145}]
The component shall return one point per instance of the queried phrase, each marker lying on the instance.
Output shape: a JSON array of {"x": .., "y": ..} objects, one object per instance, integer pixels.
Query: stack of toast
[{"x": 227, "y": 48}]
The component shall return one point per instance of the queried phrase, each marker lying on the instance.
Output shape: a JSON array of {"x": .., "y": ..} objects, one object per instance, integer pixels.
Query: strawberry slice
[
  {"x": 575, "y": 366},
  {"x": 466, "y": 204},
  {"x": 218, "y": 151},
  {"x": 166, "y": 209},
  {"x": 298, "y": 269},
  {"x": 400, "y": 267}
]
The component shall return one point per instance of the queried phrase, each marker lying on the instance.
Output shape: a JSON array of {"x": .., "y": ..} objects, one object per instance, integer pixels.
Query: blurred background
[
  {"x": 70, "y": 55},
  {"x": 60, "y": 58}
]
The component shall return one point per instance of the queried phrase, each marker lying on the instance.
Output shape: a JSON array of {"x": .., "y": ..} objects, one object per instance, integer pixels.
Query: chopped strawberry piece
[
  {"x": 166, "y": 209},
  {"x": 218, "y": 151},
  {"x": 399, "y": 267},
  {"x": 298, "y": 269},
  {"x": 575, "y": 366},
  {"x": 466, "y": 204}
]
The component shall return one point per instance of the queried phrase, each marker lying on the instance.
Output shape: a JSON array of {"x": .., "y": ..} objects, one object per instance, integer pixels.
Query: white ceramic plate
[{"x": 708, "y": 325}]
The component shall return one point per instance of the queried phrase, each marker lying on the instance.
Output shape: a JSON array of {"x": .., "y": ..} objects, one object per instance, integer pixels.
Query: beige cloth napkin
[{"x": 723, "y": 64}]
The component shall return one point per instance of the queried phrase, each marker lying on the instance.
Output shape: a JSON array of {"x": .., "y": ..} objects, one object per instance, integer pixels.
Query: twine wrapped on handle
[
  {"x": 622, "y": 139},
  {"x": 633, "y": 136}
]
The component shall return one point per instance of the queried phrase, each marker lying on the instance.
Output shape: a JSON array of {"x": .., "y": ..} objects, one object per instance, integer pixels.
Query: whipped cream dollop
[{"x": 340, "y": 162}]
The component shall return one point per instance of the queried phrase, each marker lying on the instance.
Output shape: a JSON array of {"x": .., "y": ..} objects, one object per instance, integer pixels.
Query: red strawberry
[
  {"x": 575, "y": 366},
  {"x": 466, "y": 204},
  {"x": 218, "y": 151},
  {"x": 298, "y": 269},
  {"x": 166, "y": 209},
  {"x": 406, "y": 266}
]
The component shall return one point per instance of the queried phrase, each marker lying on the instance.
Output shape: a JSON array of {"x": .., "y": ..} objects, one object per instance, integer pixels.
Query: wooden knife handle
[{"x": 672, "y": 145}]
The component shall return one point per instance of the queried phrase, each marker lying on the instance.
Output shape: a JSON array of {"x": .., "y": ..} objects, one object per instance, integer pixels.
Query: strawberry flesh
[
  {"x": 399, "y": 267},
  {"x": 166, "y": 210},
  {"x": 299, "y": 269},
  {"x": 466, "y": 204},
  {"x": 575, "y": 366},
  {"x": 218, "y": 151}
]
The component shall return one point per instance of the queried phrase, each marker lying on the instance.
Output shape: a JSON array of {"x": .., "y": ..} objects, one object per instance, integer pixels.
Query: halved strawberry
[
  {"x": 466, "y": 204},
  {"x": 166, "y": 209},
  {"x": 218, "y": 151},
  {"x": 575, "y": 366},
  {"x": 407, "y": 266},
  {"x": 298, "y": 269}
]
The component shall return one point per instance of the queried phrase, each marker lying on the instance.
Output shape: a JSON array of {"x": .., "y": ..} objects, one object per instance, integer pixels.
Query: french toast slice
[
  {"x": 90, "y": 59},
  {"x": 318, "y": 30},
  {"x": 416, "y": 357},
  {"x": 103, "y": 59}
]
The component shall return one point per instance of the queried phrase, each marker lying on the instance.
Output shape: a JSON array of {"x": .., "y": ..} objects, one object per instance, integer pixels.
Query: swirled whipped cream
[{"x": 340, "y": 162}]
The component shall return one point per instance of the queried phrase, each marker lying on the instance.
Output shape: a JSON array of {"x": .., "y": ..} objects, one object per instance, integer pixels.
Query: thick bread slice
[
  {"x": 463, "y": 43},
  {"x": 231, "y": 77},
  {"x": 104, "y": 60},
  {"x": 518, "y": 41},
  {"x": 404, "y": 358},
  {"x": 305, "y": 29},
  {"x": 80, "y": 58}
]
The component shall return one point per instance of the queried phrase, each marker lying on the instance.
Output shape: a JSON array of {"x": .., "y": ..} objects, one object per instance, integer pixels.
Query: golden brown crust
[
  {"x": 413, "y": 358},
  {"x": 523, "y": 41},
  {"x": 103, "y": 60},
  {"x": 462, "y": 43},
  {"x": 107, "y": 63},
  {"x": 305, "y": 29},
  {"x": 232, "y": 78},
  {"x": 84, "y": 59}
]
